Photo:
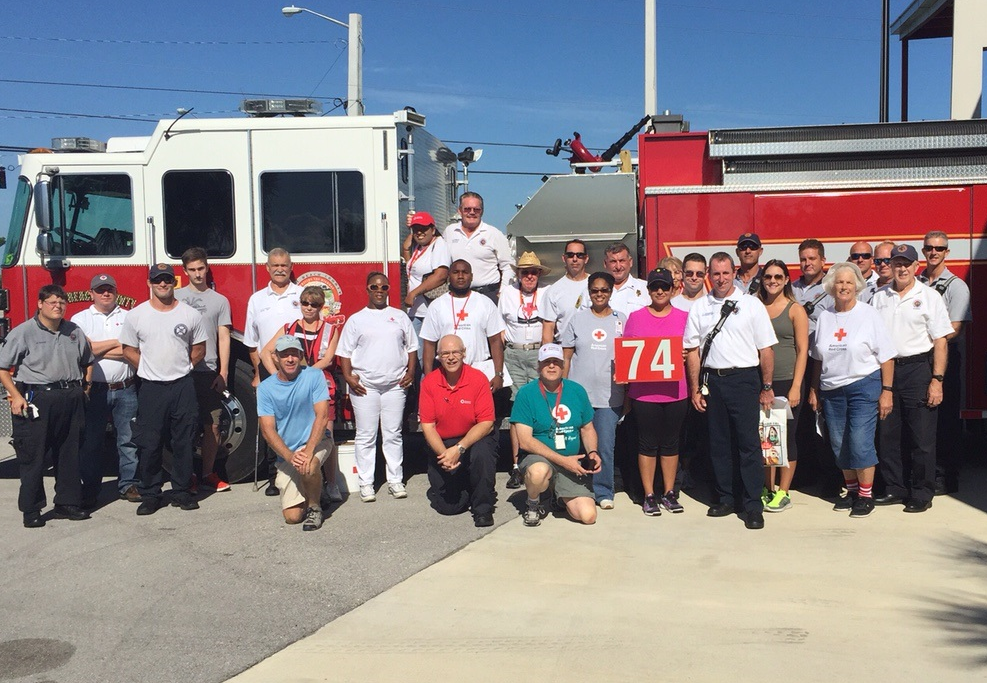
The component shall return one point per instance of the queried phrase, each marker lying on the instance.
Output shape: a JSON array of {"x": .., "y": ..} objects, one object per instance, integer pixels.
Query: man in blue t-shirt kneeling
[
  {"x": 293, "y": 409},
  {"x": 552, "y": 416}
]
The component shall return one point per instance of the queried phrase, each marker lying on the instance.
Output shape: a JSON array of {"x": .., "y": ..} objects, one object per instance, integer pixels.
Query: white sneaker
[
  {"x": 367, "y": 494},
  {"x": 606, "y": 504},
  {"x": 335, "y": 495},
  {"x": 397, "y": 490}
]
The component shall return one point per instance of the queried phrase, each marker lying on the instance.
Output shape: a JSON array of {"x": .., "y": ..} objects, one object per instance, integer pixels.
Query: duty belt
[
  {"x": 63, "y": 384},
  {"x": 115, "y": 386},
  {"x": 908, "y": 360},
  {"x": 523, "y": 347}
]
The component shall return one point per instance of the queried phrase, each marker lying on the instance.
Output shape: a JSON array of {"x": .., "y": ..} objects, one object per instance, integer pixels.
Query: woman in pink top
[{"x": 659, "y": 407}]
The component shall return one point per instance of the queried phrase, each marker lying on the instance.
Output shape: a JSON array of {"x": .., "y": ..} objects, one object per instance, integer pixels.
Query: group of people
[{"x": 483, "y": 339}]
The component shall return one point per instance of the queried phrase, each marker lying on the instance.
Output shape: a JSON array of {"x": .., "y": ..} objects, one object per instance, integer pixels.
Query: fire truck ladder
[{"x": 929, "y": 152}]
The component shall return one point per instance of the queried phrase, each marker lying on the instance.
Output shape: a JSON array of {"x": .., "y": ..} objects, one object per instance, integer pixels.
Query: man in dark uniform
[{"x": 50, "y": 357}]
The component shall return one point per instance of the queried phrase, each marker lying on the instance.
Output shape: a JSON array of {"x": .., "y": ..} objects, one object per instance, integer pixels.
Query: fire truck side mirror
[
  {"x": 42, "y": 209},
  {"x": 45, "y": 244}
]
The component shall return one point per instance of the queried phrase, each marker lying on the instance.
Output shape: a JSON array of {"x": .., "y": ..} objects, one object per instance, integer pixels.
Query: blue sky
[{"x": 522, "y": 73}]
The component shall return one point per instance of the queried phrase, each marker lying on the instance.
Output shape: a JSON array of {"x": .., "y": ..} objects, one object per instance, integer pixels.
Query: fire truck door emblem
[{"x": 333, "y": 292}]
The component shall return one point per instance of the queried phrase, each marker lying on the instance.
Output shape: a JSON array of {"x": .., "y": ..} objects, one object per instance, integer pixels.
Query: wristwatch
[
  {"x": 766, "y": 387},
  {"x": 462, "y": 449},
  {"x": 939, "y": 377}
]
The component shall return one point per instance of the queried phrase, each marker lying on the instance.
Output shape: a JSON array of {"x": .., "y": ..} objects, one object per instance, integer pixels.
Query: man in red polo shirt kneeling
[{"x": 456, "y": 412}]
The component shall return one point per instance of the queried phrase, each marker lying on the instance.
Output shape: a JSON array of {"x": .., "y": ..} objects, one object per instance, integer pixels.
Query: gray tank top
[{"x": 785, "y": 348}]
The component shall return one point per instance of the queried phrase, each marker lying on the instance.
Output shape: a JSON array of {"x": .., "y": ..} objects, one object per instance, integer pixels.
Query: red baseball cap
[{"x": 422, "y": 218}]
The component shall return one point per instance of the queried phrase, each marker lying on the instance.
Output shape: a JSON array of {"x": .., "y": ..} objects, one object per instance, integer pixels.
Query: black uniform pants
[
  {"x": 165, "y": 408},
  {"x": 734, "y": 447},
  {"x": 908, "y": 436},
  {"x": 949, "y": 425},
  {"x": 58, "y": 428},
  {"x": 468, "y": 487}
]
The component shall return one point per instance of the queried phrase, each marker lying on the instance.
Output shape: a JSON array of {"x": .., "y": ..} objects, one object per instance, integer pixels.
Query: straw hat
[{"x": 530, "y": 260}]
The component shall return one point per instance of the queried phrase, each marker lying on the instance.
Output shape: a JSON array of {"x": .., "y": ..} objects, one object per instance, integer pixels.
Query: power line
[
  {"x": 147, "y": 88},
  {"x": 114, "y": 41},
  {"x": 140, "y": 118}
]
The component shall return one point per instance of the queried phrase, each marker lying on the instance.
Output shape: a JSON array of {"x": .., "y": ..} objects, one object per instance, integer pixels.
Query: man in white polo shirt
[
  {"x": 731, "y": 384},
  {"x": 164, "y": 338},
  {"x": 484, "y": 246},
  {"x": 916, "y": 317},
  {"x": 268, "y": 310},
  {"x": 112, "y": 393},
  {"x": 629, "y": 293}
]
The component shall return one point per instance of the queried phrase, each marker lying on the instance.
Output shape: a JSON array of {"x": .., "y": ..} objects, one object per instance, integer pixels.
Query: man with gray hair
[
  {"x": 629, "y": 293},
  {"x": 956, "y": 295}
]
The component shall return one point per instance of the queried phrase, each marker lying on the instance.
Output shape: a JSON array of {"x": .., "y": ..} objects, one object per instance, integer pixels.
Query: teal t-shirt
[{"x": 535, "y": 410}]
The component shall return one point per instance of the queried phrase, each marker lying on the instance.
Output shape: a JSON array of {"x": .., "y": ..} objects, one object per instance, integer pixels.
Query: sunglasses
[
  {"x": 694, "y": 273},
  {"x": 929, "y": 247},
  {"x": 575, "y": 254},
  {"x": 748, "y": 246},
  {"x": 310, "y": 304},
  {"x": 422, "y": 228},
  {"x": 778, "y": 276},
  {"x": 600, "y": 290},
  {"x": 882, "y": 261},
  {"x": 659, "y": 288},
  {"x": 166, "y": 280},
  {"x": 857, "y": 255},
  {"x": 471, "y": 209},
  {"x": 528, "y": 272},
  {"x": 381, "y": 288}
]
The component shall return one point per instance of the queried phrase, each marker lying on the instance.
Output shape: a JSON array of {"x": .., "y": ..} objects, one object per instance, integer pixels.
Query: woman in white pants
[{"x": 377, "y": 354}]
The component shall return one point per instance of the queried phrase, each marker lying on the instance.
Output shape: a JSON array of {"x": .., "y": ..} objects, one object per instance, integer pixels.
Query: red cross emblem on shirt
[
  {"x": 599, "y": 335},
  {"x": 562, "y": 414},
  {"x": 529, "y": 309},
  {"x": 839, "y": 334},
  {"x": 462, "y": 315}
]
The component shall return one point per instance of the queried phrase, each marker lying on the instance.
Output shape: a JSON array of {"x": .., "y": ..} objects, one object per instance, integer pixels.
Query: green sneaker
[
  {"x": 780, "y": 502},
  {"x": 765, "y": 496}
]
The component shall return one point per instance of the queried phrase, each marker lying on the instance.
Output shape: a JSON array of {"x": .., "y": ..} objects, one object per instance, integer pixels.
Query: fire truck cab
[{"x": 333, "y": 191}]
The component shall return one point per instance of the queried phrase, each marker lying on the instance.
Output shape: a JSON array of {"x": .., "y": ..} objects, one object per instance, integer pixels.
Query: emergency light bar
[
  {"x": 294, "y": 107},
  {"x": 77, "y": 145}
]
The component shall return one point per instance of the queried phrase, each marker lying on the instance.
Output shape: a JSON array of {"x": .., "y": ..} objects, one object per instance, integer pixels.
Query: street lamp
[{"x": 354, "y": 81}]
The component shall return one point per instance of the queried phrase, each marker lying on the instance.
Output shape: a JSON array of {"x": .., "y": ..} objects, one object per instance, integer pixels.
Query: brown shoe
[{"x": 131, "y": 494}]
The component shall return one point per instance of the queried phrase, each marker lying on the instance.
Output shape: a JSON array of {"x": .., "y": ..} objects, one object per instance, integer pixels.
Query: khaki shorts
[
  {"x": 288, "y": 478},
  {"x": 210, "y": 402},
  {"x": 567, "y": 484}
]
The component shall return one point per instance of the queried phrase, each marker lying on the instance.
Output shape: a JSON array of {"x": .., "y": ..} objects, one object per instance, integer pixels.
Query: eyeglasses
[
  {"x": 857, "y": 255},
  {"x": 902, "y": 264},
  {"x": 471, "y": 209},
  {"x": 105, "y": 290},
  {"x": 55, "y": 302},
  {"x": 450, "y": 354},
  {"x": 310, "y": 304},
  {"x": 575, "y": 254},
  {"x": 527, "y": 272},
  {"x": 166, "y": 280},
  {"x": 778, "y": 276},
  {"x": 882, "y": 261},
  {"x": 600, "y": 290},
  {"x": 931, "y": 247},
  {"x": 382, "y": 288},
  {"x": 694, "y": 273}
]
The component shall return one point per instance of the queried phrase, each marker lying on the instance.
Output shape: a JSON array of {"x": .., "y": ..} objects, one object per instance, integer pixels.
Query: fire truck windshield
[{"x": 18, "y": 219}]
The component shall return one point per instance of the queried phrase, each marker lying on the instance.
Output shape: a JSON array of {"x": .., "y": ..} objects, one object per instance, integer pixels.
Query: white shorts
[{"x": 287, "y": 478}]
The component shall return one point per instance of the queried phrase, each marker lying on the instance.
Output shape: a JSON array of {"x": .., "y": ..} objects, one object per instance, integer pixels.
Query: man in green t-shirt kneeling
[{"x": 552, "y": 417}]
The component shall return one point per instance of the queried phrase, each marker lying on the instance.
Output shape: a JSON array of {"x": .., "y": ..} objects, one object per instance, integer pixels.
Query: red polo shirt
[{"x": 455, "y": 411}]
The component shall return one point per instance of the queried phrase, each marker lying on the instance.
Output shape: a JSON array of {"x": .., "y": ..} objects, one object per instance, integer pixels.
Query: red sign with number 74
[{"x": 648, "y": 359}]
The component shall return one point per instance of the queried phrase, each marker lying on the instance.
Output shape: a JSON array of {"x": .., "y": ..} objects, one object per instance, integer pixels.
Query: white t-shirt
[
  {"x": 564, "y": 298},
  {"x": 378, "y": 342},
  {"x": 630, "y": 296},
  {"x": 747, "y": 330},
  {"x": 914, "y": 320},
  {"x": 851, "y": 345},
  {"x": 100, "y": 327},
  {"x": 523, "y": 314},
  {"x": 164, "y": 339},
  {"x": 487, "y": 250},
  {"x": 267, "y": 311},
  {"x": 683, "y": 304},
  {"x": 422, "y": 264},
  {"x": 474, "y": 318}
]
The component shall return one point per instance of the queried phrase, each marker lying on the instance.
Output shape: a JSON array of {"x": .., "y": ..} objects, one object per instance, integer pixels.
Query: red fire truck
[
  {"x": 698, "y": 191},
  {"x": 332, "y": 190}
]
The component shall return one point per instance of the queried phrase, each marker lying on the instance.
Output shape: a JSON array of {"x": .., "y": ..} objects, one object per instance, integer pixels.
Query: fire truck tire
[{"x": 241, "y": 441}]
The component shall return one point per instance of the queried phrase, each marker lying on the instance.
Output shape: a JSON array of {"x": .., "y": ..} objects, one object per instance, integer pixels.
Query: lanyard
[
  {"x": 417, "y": 254},
  {"x": 311, "y": 347},
  {"x": 558, "y": 400},
  {"x": 527, "y": 309},
  {"x": 461, "y": 316}
]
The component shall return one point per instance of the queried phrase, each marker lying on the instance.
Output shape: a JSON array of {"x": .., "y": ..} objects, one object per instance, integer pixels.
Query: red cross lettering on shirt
[
  {"x": 839, "y": 334},
  {"x": 562, "y": 414},
  {"x": 599, "y": 334}
]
